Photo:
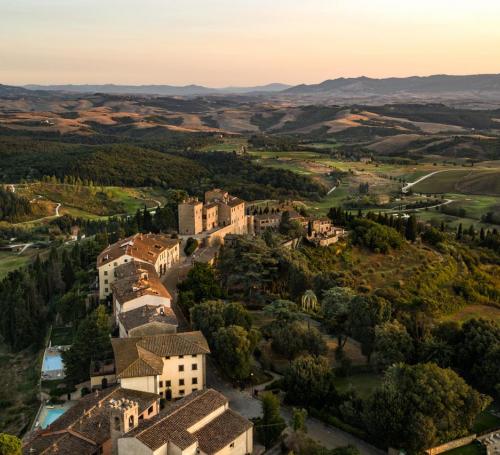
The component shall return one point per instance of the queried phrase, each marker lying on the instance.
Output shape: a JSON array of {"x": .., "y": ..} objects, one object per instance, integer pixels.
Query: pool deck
[{"x": 47, "y": 414}]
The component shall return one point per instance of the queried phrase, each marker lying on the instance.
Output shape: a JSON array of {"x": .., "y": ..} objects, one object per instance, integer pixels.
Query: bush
[{"x": 191, "y": 246}]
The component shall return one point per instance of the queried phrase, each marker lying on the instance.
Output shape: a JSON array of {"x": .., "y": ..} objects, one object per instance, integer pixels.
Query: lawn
[
  {"x": 11, "y": 261},
  {"x": 487, "y": 421},
  {"x": 364, "y": 384},
  {"x": 474, "y": 448},
  {"x": 62, "y": 336}
]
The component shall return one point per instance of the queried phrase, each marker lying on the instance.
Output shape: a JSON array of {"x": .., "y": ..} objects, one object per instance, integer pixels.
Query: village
[{"x": 153, "y": 396}]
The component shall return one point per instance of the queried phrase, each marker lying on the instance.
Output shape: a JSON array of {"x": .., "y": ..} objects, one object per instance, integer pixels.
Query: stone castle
[{"x": 220, "y": 214}]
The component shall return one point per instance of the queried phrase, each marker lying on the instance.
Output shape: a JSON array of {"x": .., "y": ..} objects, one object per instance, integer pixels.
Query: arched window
[
  {"x": 131, "y": 422},
  {"x": 116, "y": 423}
]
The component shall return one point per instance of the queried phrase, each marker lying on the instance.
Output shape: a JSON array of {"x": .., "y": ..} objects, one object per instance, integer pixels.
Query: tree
[
  {"x": 91, "y": 343},
  {"x": 202, "y": 282},
  {"x": 291, "y": 338},
  {"x": 10, "y": 445},
  {"x": 459, "y": 232},
  {"x": 365, "y": 313},
  {"x": 411, "y": 228},
  {"x": 298, "y": 422},
  {"x": 308, "y": 382},
  {"x": 234, "y": 347},
  {"x": 392, "y": 344},
  {"x": 309, "y": 301},
  {"x": 270, "y": 426},
  {"x": 191, "y": 245},
  {"x": 336, "y": 307},
  {"x": 208, "y": 317},
  {"x": 414, "y": 410}
]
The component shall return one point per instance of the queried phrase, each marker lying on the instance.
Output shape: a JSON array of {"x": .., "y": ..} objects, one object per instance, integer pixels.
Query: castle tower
[
  {"x": 124, "y": 416},
  {"x": 191, "y": 217}
]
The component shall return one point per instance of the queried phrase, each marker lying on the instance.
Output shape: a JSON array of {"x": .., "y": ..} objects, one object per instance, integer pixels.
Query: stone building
[{"x": 220, "y": 214}]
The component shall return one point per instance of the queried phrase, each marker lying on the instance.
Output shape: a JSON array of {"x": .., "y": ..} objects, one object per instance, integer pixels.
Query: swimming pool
[
  {"x": 50, "y": 416},
  {"x": 52, "y": 362}
]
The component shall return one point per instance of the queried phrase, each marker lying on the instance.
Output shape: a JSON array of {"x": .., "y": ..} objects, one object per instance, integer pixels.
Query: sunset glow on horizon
[{"x": 243, "y": 42}]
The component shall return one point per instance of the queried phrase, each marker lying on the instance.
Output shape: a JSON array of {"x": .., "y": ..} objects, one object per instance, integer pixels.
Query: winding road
[{"x": 409, "y": 185}]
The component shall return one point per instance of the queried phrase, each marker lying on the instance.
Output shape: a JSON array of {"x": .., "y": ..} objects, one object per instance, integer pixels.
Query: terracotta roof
[
  {"x": 137, "y": 357},
  {"x": 233, "y": 201},
  {"x": 221, "y": 431},
  {"x": 173, "y": 423},
  {"x": 135, "y": 285},
  {"x": 85, "y": 426},
  {"x": 147, "y": 314},
  {"x": 143, "y": 247},
  {"x": 133, "y": 269}
]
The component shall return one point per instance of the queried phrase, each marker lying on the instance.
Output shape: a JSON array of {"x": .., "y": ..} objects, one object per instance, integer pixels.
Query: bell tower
[{"x": 124, "y": 416}]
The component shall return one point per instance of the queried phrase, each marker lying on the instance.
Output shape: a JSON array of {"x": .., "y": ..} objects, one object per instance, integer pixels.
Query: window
[
  {"x": 167, "y": 357},
  {"x": 150, "y": 410},
  {"x": 194, "y": 366},
  {"x": 194, "y": 356},
  {"x": 105, "y": 281},
  {"x": 106, "y": 273},
  {"x": 168, "y": 383},
  {"x": 181, "y": 381},
  {"x": 106, "y": 290},
  {"x": 181, "y": 357},
  {"x": 161, "y": 383},
  {"x": 231, "y": 445},
  {"x": 125, "y": 260},
  {"x": 181, "y": 367},
  {"x": 181, "y": 392},
  {"x": 161, "y": 394},
  {"x": 194, "y": 381},
  {"x": 115, "y": 264}
]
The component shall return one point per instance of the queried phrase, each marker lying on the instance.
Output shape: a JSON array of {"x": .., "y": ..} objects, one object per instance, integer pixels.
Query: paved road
[{"x": 409, "y": 185}]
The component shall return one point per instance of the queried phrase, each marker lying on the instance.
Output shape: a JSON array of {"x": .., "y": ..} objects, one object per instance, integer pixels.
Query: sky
[{"x": 243, "y": 42}]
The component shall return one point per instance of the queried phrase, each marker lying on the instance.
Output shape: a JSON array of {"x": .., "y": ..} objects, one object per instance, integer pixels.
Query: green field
[
  {"x": 11, "y": 261},
  {"x": 465, "y": 181},
  {"x": 474, "y": 311}
]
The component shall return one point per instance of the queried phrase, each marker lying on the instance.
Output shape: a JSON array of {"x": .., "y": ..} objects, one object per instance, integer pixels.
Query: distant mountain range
[
  {"x": 475, "y": 91},
  {"x": 429, "y": 84},
  {"x": 164, "y": 90}
]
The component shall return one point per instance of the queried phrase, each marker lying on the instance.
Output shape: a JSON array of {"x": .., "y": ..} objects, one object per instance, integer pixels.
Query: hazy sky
[{"x": 243, "y": 42}]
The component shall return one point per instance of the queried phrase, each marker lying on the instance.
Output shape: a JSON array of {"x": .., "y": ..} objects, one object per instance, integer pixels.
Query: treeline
[
  {"x": 13, "y": 207},
  {"x": 30, "y": 297}
]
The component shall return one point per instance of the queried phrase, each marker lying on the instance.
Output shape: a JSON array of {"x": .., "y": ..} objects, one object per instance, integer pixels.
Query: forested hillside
[
  {"x": 150, "y": 165},
  {"x": 13, "y": 207}
]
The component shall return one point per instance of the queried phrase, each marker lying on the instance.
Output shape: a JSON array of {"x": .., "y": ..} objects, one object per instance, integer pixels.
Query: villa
[
  {"x": 202, "y": 423},
  {"x": 157, "y": 250},
  {"x": 88, "y": 428},
  {"x": 171, "y": 365}
]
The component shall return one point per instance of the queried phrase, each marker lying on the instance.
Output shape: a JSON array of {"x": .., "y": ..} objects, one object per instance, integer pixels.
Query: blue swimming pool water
[
  {"x": 52, "y": 415},
  {"x": 52, "y": 362}
]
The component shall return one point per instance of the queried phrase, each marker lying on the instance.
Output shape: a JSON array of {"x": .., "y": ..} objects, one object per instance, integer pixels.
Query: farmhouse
[
  {"x": 202, "y": 423},
  {"x": 157, "y": 250},
  {"x": 219, "y": 215},
  {"x": 90, "y": 427},
  {"x": 172, "y": 365}
]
